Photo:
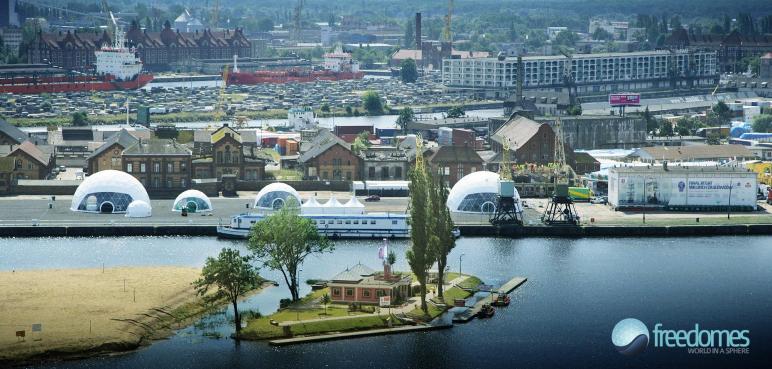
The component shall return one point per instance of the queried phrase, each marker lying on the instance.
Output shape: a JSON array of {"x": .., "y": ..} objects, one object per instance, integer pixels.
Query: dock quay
[
  {"x": 344, "y": 335},
  {"x": 506, "y": 288}
]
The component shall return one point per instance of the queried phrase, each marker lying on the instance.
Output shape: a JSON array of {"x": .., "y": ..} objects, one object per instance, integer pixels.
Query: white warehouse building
[
  {"x": 604, "y": 72},
  {"x": 694, "y": 188}
]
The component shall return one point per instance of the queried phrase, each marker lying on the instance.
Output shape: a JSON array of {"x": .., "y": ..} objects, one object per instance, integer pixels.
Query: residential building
[
  {"x": 6, "y": 174},
  {"x": 361, "y": 284},
  {"x": 12, "y": 38},
  {"x": 731, "y": 49},
  {"x": 592, "y": 73},
  {"x": 328, "y": 157},
  {"x": 528, "y": 141},
  {"x": 453, "y": 162},
  {"x": 228, "y": 155},
  {"x": 765, "y": 66},
  {"x": 69, "y": 50},
  {"x": 109, "y": 155},
  {"x": 10, "y": 134},
  {"x": 30, "y": 162},
  {"x": 8, "y": 14},
  {"x": 161, "y": 165}
]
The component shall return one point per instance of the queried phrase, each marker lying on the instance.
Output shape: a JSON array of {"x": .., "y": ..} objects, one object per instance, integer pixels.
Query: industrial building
[
  {"x": 590, "y": 73},
  {"x": 687, "y": 188}
]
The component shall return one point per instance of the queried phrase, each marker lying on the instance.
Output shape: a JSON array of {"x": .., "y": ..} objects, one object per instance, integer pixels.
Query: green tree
[
  {"x": 371, "y": 101},
  {"x": 326, "y": 300},
  {"x": 443, "y": 239},
  {"x": 602, "y": 34},
  {"x": 408, "y": 71},
  {"x": 665, "y": 128},
  {"x": 348, "y": 110},
  {"x": 361, "y": 142},
  {"x": 722, "y": 112},
  {"x": 391, "y": 258},
  {"x": 283, "y": 240},
  {"x": 79, "y": 118},
  {"x": 325, "y": 108},
  {"x": 406, "y": 116},
  {"x": 762, "y": 123},
  {"x": 566, "y": 38},
  {"x": 456, "y": 112},
  {"x": 231, "y": 276},
  {"x": 265, "y": 25},
  {"x": 419, "y": 256},
  {"x": 651, "y": 123},
  {"x": 575, "y": 109}
]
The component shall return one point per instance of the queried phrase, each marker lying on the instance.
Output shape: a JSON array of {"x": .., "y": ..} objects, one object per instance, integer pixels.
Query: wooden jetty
[{"x": 472, "y": 312}]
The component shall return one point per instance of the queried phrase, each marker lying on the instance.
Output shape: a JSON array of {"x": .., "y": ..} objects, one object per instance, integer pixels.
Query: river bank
[{"x": 85, "y": 312}]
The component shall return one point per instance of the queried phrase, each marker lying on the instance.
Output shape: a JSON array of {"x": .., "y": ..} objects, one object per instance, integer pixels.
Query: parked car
[
  {"x": 599, "y": 200},
  {"x": 62, "y": 168},
  {"x": 372, "y": 198}
]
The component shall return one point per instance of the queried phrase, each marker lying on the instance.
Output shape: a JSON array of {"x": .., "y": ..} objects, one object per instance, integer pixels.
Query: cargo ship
[
  {"x": 117, "y": 68},
  {"x": 337, "y": 66}
]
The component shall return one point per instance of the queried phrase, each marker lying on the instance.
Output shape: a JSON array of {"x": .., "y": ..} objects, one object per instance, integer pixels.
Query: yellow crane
[{"x": 446, "y": 32}]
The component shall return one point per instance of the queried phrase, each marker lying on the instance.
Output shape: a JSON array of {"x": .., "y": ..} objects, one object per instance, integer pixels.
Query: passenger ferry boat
[
  {"x": 372, "y": 225},
  {"x": 333, "y": 219}
]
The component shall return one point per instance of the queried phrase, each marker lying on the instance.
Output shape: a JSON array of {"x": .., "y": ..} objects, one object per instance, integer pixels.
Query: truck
[{"x": 582, "y": 194}]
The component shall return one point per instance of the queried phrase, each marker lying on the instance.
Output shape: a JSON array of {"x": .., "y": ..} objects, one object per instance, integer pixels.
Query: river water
[{"x": 577, "y": 290}]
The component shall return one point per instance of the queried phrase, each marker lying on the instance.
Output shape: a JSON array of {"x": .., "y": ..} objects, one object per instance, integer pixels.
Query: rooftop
[
  {"x": 680, "y": 169},
  {"x": 693, "y": 152},
  {"x": 157, "y": 147}
]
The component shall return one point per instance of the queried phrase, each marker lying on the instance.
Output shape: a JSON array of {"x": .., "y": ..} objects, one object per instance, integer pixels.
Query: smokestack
[{"x": 418, "y": 31}]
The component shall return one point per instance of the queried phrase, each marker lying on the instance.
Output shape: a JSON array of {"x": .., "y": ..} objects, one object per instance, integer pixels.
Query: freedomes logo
[{"x": 630, "y": 336}]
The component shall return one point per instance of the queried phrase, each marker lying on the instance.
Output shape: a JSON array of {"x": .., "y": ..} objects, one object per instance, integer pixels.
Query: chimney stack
[{"x": 418, "y": 31}]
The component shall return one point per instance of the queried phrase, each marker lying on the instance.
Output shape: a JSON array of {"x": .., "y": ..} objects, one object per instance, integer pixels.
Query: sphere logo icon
[{"x": 630, "y": 336}]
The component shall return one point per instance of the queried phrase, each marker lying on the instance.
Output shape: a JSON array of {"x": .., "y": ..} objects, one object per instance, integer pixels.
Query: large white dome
[
  {"x": 275, "y": 195},
  {"x": 108, "y": 191},
  {"x": 475, "y": 193},
  {"x": 193, "y": 201},
  {"x": 139, "y": 209}
]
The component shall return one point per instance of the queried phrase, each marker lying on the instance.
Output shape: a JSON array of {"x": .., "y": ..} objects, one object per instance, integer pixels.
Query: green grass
[
  {"x": 470, "y": 282},
  {"x": 286, "y": 174},
  {"x": 418, "y": 314},
  {"x": 343, "y": 325}
]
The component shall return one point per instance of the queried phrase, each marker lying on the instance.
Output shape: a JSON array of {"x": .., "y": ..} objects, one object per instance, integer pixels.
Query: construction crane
[
  {"x": 218, "y": 110},
  {"x": 215, "y": 14},
  {"x": 507, "y": 211},
  {"x": 447, "y": 36},
  {"x": 296, "y": 20},
  {"x": 568, "y": 77}
]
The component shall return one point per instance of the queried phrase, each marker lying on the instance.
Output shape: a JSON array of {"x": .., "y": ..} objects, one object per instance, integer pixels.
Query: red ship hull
[
  {"x": 56, "y": 84},
  {"x": 289, "y": 76}
]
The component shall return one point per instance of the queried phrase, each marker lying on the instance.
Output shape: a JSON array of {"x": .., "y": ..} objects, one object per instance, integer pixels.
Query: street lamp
[
  {"x": 729, "y": 206},
  {"x": 459, "y": 263}
]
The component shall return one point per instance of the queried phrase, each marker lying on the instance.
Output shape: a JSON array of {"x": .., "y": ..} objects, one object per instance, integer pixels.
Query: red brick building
[
  {"x": 361, "y": 284},
  {"x": 453, "y": 162},
  {"x": 75, "y": 50},
  {"x": 328, "y": 157}
]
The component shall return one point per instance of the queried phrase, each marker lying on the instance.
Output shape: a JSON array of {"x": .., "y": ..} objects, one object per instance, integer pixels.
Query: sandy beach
[{"x": 88, "y": 311}]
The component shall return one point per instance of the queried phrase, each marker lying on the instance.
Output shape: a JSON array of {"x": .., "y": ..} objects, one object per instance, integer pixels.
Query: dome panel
[
  {"x": 193, "y": 201},
  {"x": 275, "y": 196},
  {"x": 476, "y": 193},
  {"x": 138, "y": 209},
  {"x": 108, "y": 191}
]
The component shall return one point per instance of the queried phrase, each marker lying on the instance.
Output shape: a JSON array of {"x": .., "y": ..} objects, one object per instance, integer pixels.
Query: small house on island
[{"x": 362, "y": 284}]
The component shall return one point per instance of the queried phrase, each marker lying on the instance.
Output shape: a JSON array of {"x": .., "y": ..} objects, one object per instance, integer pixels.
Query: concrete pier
[
  {"x": 506, "y": 288},
  {"x": 372, "y": 332}
]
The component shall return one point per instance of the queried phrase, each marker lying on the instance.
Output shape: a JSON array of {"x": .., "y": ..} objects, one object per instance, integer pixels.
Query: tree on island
[
  {"x": 232, "y": 276},
  {"x": 456, "y": 112},
  {"x": 326, "y": 300},
  {"x": 408, "y": 71},
  {"x": 372, "y": 103},
  {"x": 419, "y": 256},
  {"x": 79, "y": 119},
  {"x": 283, "y": 240},
  {"x": 762, "y": 123},
  {"x": 442, "y": 228},
  {"x": 406, "y": 115}
]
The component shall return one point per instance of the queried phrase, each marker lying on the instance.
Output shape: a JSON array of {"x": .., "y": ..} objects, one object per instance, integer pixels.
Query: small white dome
[
  {"x": 275, "y": 195},
  {"x": 108, "y": 191},
  {"x": 138, "y": 209},
  {"x": 192, "y": 200},
  {"x": 476, "y": 193}
]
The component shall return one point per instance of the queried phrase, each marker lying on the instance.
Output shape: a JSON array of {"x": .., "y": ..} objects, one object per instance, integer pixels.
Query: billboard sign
[{"x": 624, "y": 99}]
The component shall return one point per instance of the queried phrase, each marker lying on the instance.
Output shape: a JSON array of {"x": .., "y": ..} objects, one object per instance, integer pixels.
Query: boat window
[
  {"x": 252, "y": 222},
  {"x": 393, "y": 222},
  {"x": 321, "y": 222},
  {"x": 372, "y": 222},
  {"x": 340, "y": 221},
  {"x": 348, "y": 221},
  {"x": 356, "y": 221}
]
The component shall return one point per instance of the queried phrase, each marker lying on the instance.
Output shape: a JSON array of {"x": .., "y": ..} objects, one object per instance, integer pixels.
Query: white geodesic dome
[
  {"x": 138, "y": 209},
  {"x": 193, "y": 201},
  {"x": 275, "y": 196},
  {"x": 476, "y": 193},
  {"x": 108, "y": 191}
]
